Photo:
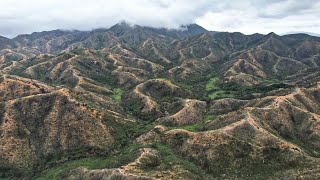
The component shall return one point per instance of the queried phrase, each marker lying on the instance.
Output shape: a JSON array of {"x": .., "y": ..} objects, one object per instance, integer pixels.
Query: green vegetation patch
[
  {"x": 126, "y": 152},
  {"x": 197, "y": 126},
  {"x": 124, "y": 133},
  {"x": 168, "y": 161},
  {"x": 220, "y": 94},
  {"x": 243, "y": 92},
  {"x": 211, "y": 85},
  {"x": 117, "y": 95},
  {"x": 214, "y": 90},
  {"x": 200, "y": 85},
  {"x": 115, "y": 161},
  {"x": 219, "y": 90}
]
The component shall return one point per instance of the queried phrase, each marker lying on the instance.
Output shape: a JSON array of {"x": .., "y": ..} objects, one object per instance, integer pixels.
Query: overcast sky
[{"x": 251, "y": 16}]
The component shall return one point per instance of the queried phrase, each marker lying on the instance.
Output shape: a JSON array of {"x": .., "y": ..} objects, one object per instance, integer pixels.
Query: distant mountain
[
  {"x": 302, "y": 32},
  {"x": 6, "y": 43},
  {"x": 58, "y": 40}
]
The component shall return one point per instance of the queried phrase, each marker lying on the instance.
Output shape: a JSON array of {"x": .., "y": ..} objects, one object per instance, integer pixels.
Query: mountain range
[{"x": 134, "y": 102}]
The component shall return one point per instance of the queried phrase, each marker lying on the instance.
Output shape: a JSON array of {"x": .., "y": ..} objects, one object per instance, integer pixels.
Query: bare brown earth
[
  {"x": 267, "y": 136},
  {"x": 191, "y": 112},
  {"x": 39, "y": 122}
]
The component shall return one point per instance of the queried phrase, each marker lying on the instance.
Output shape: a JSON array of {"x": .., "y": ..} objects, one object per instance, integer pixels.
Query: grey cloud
[
  {"x": 20, "y": 16},
  {"x": 85, "y": 14},
  {"x": 286, "y": 8}
]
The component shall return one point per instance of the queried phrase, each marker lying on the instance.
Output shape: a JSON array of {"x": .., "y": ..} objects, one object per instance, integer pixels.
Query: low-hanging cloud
[
  {"x": 280, "y": 16},
  {"x": 20, "y": 16}
]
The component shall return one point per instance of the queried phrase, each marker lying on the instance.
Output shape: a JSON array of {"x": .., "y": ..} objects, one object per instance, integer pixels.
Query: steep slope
[
  {"x": 269, "y": 135},
  {"x": 236, "y": 41},
  {"x": 6, "y": 43},
  {"x": 150, "y": 99},
  {"x": 40, "y": 124},
  {"x": 255, "y": 65},
  {"x": 49, "y": 41}
]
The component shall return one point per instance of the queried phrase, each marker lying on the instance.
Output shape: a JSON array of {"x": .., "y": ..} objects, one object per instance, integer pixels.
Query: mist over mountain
[{"x": 248, "y": 17}]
